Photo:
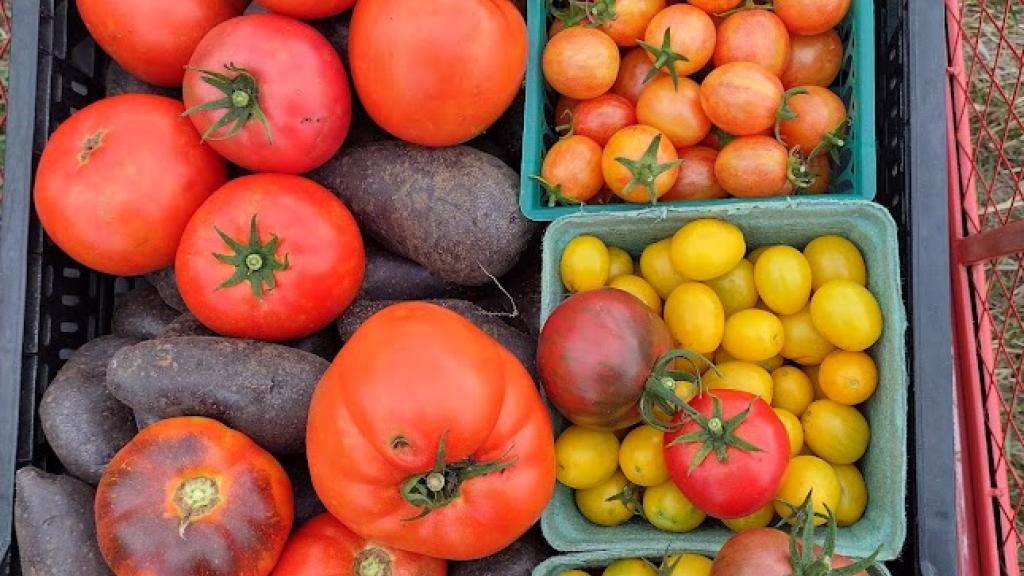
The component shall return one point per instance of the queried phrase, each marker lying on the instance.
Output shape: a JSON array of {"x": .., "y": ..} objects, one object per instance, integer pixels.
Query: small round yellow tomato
[
  {"x": 743, "y": 376},
  {"x": 574, "y": 573},
  {"x": 838, "y": 433},
  {"x": 758, "y": 519},
  {"x": 620, "y": 262},
  {"x": 642, "y": 456},
  {"x": 722, "y": 356},
  {"x": 630, "y": 567},
  {"x": 656, "y": 267},
  {"x": 756, "y": 253},
  {"x": 736, "y": 288},
  {"x": 812, "y": 373},
  {"x": 695, "y": 317},
  {"x": 668, "y": 509},
  {"x": 848, "y": 377},
  {"x": 808, "y": 474},
  {"x": 707, "y": 248},
  {"x": 834, "y": 258},
  {"x": 753, "y": 335},
  {"x": 640, "y": 288},
  {"x": 783, "y": 279},
  {"x": 688, "y": 565},
  {"x": 847, "y": 314},
  {"x": 600, "y": 505},
  {"x": 585, "y": 264},
  {"x": 791, "y": 390},
  {"x": 793, "y": 429},
  {"x": 853, "y": 497},
  {"x": 585, "y": 457},
  {"x": 801, "y": 342}
]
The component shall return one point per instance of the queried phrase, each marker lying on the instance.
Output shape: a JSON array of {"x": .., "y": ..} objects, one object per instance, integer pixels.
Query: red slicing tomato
[
  {"x": 756, "y": 36},
  {"x": 271, "y": 257},
  {"x": 307, "y": 9},
  {"x": 427, "y": 435},
  {"x": 599, "y": 118},
  {"x": 741, "y": 97},
  {"x": 119, "y": 180},
  {"x": 813, "y": 60},
  {"x": 729, "y": 453},
  {"x": 696, "y": 179}
]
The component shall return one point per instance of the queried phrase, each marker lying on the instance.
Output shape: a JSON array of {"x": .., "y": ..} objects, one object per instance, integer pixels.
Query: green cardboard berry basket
[
  {"x": 795, "y": 222},
  {"x": 853, "y": 179},
  {"x": 592, "y": 561}
]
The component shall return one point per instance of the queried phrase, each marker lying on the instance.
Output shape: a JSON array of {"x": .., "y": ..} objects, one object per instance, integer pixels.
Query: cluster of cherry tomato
[{"x": 709, "y": 99}]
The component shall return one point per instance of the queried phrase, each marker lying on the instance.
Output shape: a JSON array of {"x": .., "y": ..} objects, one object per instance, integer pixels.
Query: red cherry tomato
[
  {"x": 809, "y": 17},
  {"x": 676, "y": 111},
  {"x": 599, "y": 118},
  {"x": 572, "y": 169},
  {"x": 696, "y": 179},
  {"x": 756, "y": 36},
  {"x": 690, "y": 33},
  {"x": 818, "y": 112},
  {"x": 581, "y": 62},
  {"x": 820, "y": 169},
  {"x": 631, "y": 20},
  {"x": 813, "y": 60},
  {"x": 633, "y": 70},
  {"x": 741, "y": 97},
  {"x": 754, "y": 166}
]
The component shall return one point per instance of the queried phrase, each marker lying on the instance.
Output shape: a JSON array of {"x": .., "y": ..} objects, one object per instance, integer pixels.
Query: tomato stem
[
  {"x": 784, "y": 112},
  {"x": 241, "y": 102},
  {"x": 552, "y": 194},
  {"x": 715, "y": 434},
  {"x": 664, "y": 57},
  {"x": 254, "y": 261},
  {"x": 831, "y": 142},
  {"x": 646, "y": 170},
  {"x": 194, "y": 498},
  {"x": 797, "y": 172},
  {"x": 747, "y": 5},
  {"x": 660, "y": 389},
  {"x": 593, "y": 12},
  {"x": 372, "y": 562},
  {"x": 801, "y": 542}
]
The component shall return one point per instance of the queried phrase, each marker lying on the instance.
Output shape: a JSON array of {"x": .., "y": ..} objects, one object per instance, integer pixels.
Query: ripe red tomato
[
  {"x": 409, "y": 466},
  {"x": 301, "y": 270},
  {"x": 818, "y": 112},
  {"x": 273, "y": 118},
  {"x": 307, "y": 9},
  {"x": 572, "y": 170},
  {"x": 631, "y": 20},
  {"x": 632, "y": 70},
  {"x": 675, "y": 111},
  {"x": 745, "y": 479},
  {"x": 595, "y": 354},
  {"x": 154, "y": 40},
  {"x": 809, "y": 17},
  {"x": 581, "y": 62},
  {"x": 813, "y": 60},
  {"x": 189, "y": 493},
  {"x": 689, "y": 32},
  {"x": 323, "y": 546},
  {"x": 119, "y": 180},
  {"x": 741, "y": 97},
  {"x": 756, "y": 36},
  {"x": 411, "y": 88},
  {"x": 763, "y": 552},
  {"x": 752, "y": 166},
  {"x": 639, "y": 164},
  {"x": 599, "y": 118},
  {"x": 696, "y": 179}
]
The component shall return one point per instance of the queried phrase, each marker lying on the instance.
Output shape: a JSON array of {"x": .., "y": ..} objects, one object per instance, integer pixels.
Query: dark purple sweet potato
[
  {"x": 519, "y": 559},
  {"x": 324, "y": 343},
  {"x": 392, "y": 277},
  {"x": 120, "y": 81},
  {"x": 307, "y": 503},
  {"x": 141, "y": 313},
  {"x": 166, "y": 284}
]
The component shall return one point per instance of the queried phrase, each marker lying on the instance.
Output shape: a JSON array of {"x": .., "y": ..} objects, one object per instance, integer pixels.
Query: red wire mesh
[
  {"x": 5, "y": 53},
  {"x": 986, "y": 112}
]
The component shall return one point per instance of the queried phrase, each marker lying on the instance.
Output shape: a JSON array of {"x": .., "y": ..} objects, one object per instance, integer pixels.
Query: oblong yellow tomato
[
  {"x": 736, "y": 288},
  {"x": 620, "y": 262},
  {"x": 758, "y": 519},
  {"x": 642, "y": 456},
  {"x": 847, "y": 314},
  {"x": 808, "y": 474},
  {"x": 794, "y": 430},
  {"x": 801, "y": 341},
  {"x": 853, "y": 497},
  {"x": 743, "y": 376},
  {"x": 812, "y": 373},
  {"x": 707, "y": 248},
  {"x": 630, "y": 567},
  {"x": 783, "y": 279},
  {"x": 695, "y": 317},
  {"x": 756, "y": 253},
  {"x": 668, "y": 509},
  {"x": 688, "y": 565},
  {"x": 656, "y": 268},
  {"x": 640, "y": 288},
  {"x": 791, "y": 390},
  {"x": 574, "y": 573},
  {"x": 585, "y": 264},
  {"x": 585, "y": 457},
  {"x": 722, "y": 356},
  {"x": 836, "y": 432},
  {"x": 834, "y": 258},
  {"x": 848, "y": 377},
  {"x": 753, "y": 335},
  {"x": 598, "y": 504}
]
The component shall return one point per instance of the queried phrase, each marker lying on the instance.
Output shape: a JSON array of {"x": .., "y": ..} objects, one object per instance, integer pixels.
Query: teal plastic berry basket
[
  {"x": 794, "y": 222},
  {"x": 854, "y": 179},
  {"x": 594, "y": 561}
]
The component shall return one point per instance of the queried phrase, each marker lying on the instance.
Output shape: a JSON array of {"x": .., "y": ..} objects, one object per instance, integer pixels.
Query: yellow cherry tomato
[
  {"x": 585, "y": 264},
  {"x": 808, "y": 474},
  {"x": 794, "y": 430},
  {"x": 573, "y": 573},
  {"x": 630, "y": 567},
  {"x": 585, "y": 457},
  {"x": 753, "y": 335},
  {"x": 722, "y": 356},
  {"x": 619, "y": 262},
  {"x": 600, "y": 504},
  {"x": 801, "y": 341},
  {"x": 642, "y": 456},
  {"x": 668, "y": 509},
  {"x": 834, "y": 258},
  {"x": 743, "y": 376},
  {"x": 847, "y": 314},
  {"x": 756, "y": 253},
  {"x": 688, "y": 565},
  {"x": 848, "y": 377},
  {"x": 656, "y": 267},
  {"x": 783, "y": 279},
  {"x": 695, "y": 317},
  {"x": 640, "y": 288},
  {"x": 791, "y": 390},
  {"x": 853, "y": 496},
  {"x": 707, "y": 248},
  {"x": 836, "y": 432},
  {"x": 758, "y": 519},
  {"x": 812, "y": 373},
  {"x": 736, "y": 288}
]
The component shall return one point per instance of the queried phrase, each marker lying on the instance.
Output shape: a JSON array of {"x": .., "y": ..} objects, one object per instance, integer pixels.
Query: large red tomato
[
  {"x": 741, "y": 97},
  {"x": 753, "y": 36},
  {"x": 766, "y": 552},
  {"x": 307, "y": 9},
  {"x": 187, "y": 494},
  {"x": 437, "y": 73},
  {"x": 270, "y": 256},
  {"x": 749, "y": 451},
  {"x": 154, "y": 40},
  {"x": 119, "y": 180},
  {"x": 269, "y": 93},
  {"x": 325, "y": 547},
  {"x": 427, "y": 435}
]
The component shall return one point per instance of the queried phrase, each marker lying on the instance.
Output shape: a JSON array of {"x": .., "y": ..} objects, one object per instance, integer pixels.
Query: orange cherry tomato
[
  {"x": 741, "y": 97},
  {"x": 581, "y": 62},
  {"x": 818, "y": 112},
  {"x": 756, "y": 36},
  {"x": 807, "y": 17},
  {"x": 675, "y": 110},
  {"x": 690, "y": 33},
  {"x": 631, "y": 20},
  {"x": 573, "y": 168},
  {"x": 599, "y": 118},
  {"x": 633, "y": 69},
  {"x": 715, "y": 6},
  {"x": 751, "y": 166},
  {"x": 696, "y": 179},
  {"x": 813, "y": 60},
  {"x": 634, "y": 144}
]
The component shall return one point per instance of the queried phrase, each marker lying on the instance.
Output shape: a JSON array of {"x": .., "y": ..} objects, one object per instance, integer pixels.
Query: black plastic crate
[{"x": 50, "y": 305}]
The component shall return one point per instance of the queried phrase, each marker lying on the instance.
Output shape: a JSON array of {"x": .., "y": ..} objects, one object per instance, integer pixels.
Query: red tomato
[
  {"x": 581, "y": 62},
  {"x": 820, "y": 169},
  {"x": 408, "y": 465},
  {"x": 675, "y": 111},
  {"x": 716, "y": 6},
  {"x": 562, "y": 107},
  {"x": 744, "y": 480},
  {"x": 639, "y": 164},
  {"x": 813, "y": 60},
  {"x": 595, "y": 354},
  {"x": 809, "y": 17},
  {"x": 599, "y": 118},
  {"x": 264, "y": 64},
  {"x": 741, "y": 97},
  {"x": 763, "y": 552},
  {"x": 752, "y": 166},
  {"x": 572, "y": 170},
  {"x": 689, "y": 33},
  {"x": 154, "y": 40},
  {"x": 189, "y": 493},
  {"x": 817, "y": 112},
  {"x": 119, "y": 180},
  {"x": 633, "y": 69},
  {"x": 299, "y": 273},
  {"x": 451, "y": 67},
  {"x": 696, "y": 179},
  {"x": 325, "y": 547},
  {"x": 307, "y": 9},
  {"x": 756, "y": 36}
]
